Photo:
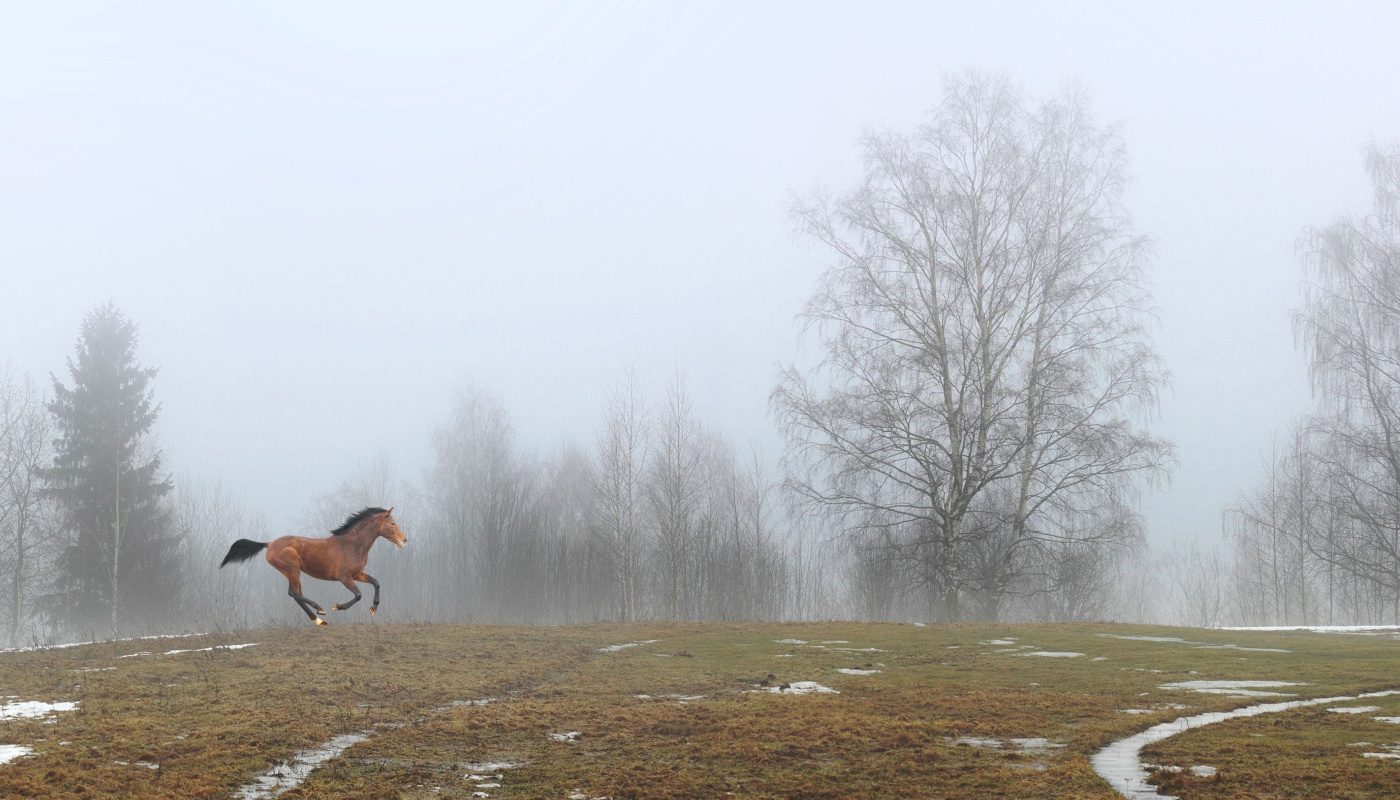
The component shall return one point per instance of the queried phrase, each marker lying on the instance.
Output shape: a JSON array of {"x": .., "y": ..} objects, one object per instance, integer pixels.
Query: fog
[{"x": 326, "y": 218}]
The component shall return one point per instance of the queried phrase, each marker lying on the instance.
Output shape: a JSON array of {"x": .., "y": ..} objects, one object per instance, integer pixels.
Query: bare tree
[
  {"x": 1349, "y": 326},
  {"x": 26, "y": 517},
  {"x": 676, "y": 486},
  {"x": 617, "y": 490},
  {"x": 983, "y": 352}
]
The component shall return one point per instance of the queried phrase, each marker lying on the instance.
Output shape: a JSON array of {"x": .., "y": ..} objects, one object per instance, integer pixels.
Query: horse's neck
[{"x": 361, "y": 538}]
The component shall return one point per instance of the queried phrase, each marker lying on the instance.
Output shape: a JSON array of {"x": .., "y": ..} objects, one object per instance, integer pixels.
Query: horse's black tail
[{"x": 242, "y": 550}]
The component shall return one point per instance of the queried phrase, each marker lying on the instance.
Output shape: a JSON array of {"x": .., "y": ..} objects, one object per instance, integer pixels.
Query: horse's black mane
[{"x": 356, "y": 518}]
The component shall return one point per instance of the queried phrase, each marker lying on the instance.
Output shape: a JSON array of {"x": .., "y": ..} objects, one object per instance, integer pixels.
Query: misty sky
[{"x": 326, "y": 216}]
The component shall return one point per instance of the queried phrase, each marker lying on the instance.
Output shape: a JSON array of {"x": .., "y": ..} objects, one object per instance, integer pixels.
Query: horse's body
[{"x": 338, "y": 557}]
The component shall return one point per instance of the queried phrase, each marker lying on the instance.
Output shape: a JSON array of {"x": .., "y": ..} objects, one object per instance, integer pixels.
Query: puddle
[
  {"x": 9, "y": 752},
  {"x": 1234, "y": 688},
  {"x": 1120, "y": 765},
  {"x": 33, "y": 709},
  {"x": 1034, "y": 745},
  {"x": 613, "y": 648},
  {"x": 287, "y": 776}
]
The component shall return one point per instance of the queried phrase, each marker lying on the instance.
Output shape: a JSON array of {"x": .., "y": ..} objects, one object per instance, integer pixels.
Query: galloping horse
[{"x": 338, "y": 557}]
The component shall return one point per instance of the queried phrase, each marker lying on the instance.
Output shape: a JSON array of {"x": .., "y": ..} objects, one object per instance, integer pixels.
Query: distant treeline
[{"x": 966, "y": 436}]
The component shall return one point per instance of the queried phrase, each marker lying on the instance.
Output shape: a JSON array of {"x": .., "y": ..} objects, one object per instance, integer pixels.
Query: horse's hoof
[
  {"x": 336, "y": 606},
  {"x": 372, "y": 610},
  {"x": 321, "y": 611},
  {"x": 320, "y": 621}
]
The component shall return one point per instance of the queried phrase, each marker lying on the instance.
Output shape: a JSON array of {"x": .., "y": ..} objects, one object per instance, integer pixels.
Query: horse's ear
[{"x": 390, "y": 511}]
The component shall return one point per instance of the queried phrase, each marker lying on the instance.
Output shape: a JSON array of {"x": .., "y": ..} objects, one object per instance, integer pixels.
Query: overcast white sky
[{"x": 327, "y": 215}]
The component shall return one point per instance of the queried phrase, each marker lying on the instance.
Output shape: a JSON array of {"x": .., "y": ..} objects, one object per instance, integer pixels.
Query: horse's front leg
[{"x": 365, "y": 577}]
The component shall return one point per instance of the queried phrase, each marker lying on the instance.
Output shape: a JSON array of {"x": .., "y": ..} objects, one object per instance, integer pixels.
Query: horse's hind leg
[
  {"x": 349, "y": 584},
  {"x": 306, "y": 603},
  {"x": 292, "y": 571}
]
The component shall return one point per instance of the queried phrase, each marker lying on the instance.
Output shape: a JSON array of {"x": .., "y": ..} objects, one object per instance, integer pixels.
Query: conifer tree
[{"x": 118, "y": 565}]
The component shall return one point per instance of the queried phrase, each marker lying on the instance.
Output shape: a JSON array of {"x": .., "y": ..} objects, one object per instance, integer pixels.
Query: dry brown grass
[{"x": 214, "y": 720}]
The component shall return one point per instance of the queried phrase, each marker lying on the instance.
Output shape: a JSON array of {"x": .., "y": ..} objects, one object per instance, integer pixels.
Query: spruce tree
[{"x": 118, "y": 567}]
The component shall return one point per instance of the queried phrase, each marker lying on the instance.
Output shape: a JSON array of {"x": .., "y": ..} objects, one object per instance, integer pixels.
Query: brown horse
[{"x": 338, "y": 557}]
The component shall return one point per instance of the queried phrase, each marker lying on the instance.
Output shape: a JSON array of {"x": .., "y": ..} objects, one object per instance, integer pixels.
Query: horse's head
[{"x": 390, "y": 529}]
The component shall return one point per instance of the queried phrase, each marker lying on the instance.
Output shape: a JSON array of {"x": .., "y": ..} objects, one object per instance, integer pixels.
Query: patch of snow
[
  {"x": 197, "y": 650},
  {"x": 1391, "y": 720},
  {"x": 1051, "y": 654},
  {"x": 567, "y": 736},
  {"x": 1234, "y": 688},
  {"x": 33, "y": 709},
  {"x": 836, "y": 641},
  {"x": 802, "y": 687},
  {"x": 783, "y": 655},
  {"x": 66, "y": 645},
  {"x": 95, "y": 669},
  {"x": 920, "y": 625},
  {"x": 789, "y": 641},
  {"x": 613, "y": 648},
  {"x": 9, "y": 752},
  {"x": 1120, "y": 765},
  {"x": 1203, "y": 770},
  {"x": 490, "y": 766},
  {"x": 845, "y": 671},
  {"x": 1318, "y": 628},
  {"x": 858, "y": 649},
  {"x": 289, "y": 775},
  {"x": 1000, "y": 642},
  {"x": 1197, "y": 645},
  {"x": 1355, "y": 710}
]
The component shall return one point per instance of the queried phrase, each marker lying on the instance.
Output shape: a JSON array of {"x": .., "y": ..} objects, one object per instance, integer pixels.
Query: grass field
[{"x": 684, "y": 716}]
